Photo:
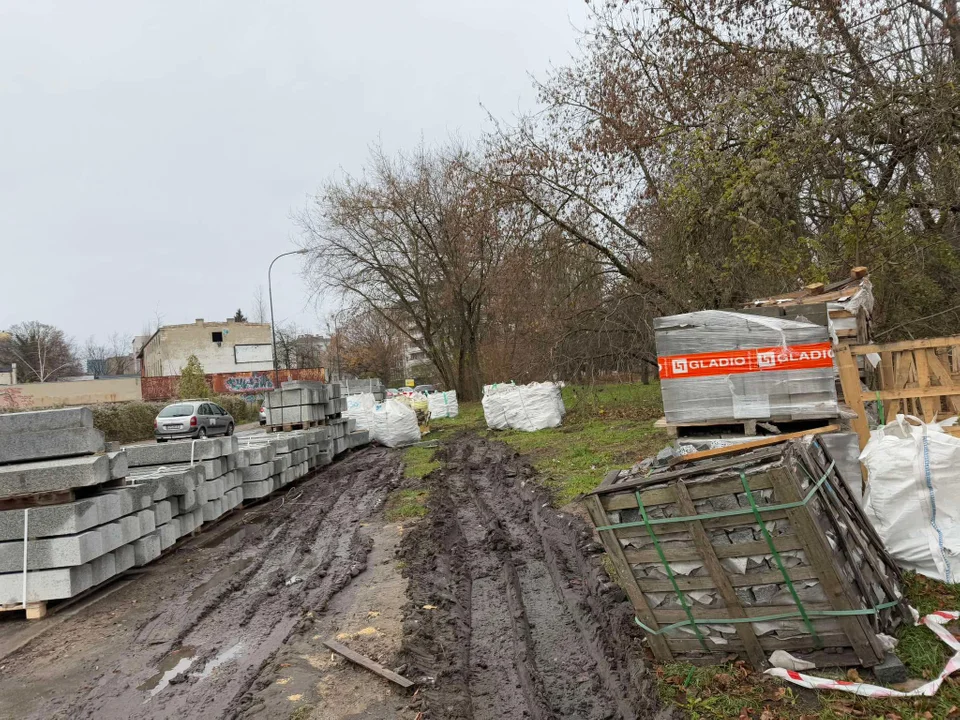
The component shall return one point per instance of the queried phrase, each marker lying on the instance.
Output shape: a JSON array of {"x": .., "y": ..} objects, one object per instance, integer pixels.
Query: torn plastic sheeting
[{"x": 934, "y": 621}]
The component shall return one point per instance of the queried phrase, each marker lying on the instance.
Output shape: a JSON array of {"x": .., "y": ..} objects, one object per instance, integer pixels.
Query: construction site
[{"x": 766, "y": 532}]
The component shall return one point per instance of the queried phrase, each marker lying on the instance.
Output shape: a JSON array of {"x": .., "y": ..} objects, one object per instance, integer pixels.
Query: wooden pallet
[
  {"x": 287, "y": 427},
  {"x": 740, "y": 428},
  {"x": 914, "y": 377},
  {"x": 35, "y": 610}
]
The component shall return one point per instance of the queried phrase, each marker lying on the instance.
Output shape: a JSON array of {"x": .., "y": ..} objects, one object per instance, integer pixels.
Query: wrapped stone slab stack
[{"x": 81, "y": 527}]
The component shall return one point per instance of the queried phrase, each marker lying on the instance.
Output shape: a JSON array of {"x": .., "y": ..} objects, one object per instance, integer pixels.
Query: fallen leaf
[
  {"x": 775, "y": 693},
  {"x": 283, "y": 681},
  {"x": 954, "y": 711},
  {"x": 295, "y": 698},
  {"x": 767, "y": 714},
  {"x": 429, "y": 607},
  {"x": 373, "y": 614},
  {"x": 746, "y": 714},
  {"x": 723, "y": 680},
  {"x": 368, "y": 631},
  {"x": 854, "y": 676},
  {"x": 892, "y": 716}
]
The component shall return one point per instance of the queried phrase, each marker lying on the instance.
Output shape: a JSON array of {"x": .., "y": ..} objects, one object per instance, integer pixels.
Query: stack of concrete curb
[
  {"x": 59, "y": 490},
  {"x": 92, "y": 514},
  {"x": 198, "y": 480}
]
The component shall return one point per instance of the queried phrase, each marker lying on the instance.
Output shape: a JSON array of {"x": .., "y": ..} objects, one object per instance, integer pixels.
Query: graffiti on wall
[
  {"x": 14, "y": 399},
  {"x": 248, "y": 384}
]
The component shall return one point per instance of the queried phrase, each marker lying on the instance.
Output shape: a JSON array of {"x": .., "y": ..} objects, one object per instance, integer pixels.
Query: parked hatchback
[{"x": 192, "y": 419}]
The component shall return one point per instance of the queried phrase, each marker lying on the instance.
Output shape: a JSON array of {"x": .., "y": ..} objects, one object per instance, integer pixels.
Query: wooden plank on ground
[
  {"x": 368, "y": 663},
  {"x": 751, "y": 444}
]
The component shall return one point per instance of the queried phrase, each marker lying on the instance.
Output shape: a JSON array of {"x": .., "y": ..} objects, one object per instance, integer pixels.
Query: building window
[{"x": 217, "y": 337}]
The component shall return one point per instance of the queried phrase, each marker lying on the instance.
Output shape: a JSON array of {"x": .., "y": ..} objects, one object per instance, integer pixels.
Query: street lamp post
[{"x": 273, "y": 325}]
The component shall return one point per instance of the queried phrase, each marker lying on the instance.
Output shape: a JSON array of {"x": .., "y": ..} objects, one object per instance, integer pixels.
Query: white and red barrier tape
[{"x": 934, "y": 621}]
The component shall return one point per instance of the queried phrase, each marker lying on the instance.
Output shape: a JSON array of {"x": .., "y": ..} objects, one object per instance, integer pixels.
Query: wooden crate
[
  {"x": 914, "y": 377},
  {"x": 690, "y": 549}
]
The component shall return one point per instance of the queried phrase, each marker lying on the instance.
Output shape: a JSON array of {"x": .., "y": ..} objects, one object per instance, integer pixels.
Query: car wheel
[
  {"x": 229, "y": 429},
  {"x": 201, "y": 433},
  {"x": 161, "y": 440}
]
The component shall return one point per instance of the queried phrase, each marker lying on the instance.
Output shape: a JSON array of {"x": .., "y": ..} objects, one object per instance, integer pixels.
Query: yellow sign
[{"x": 411, "y": 382}]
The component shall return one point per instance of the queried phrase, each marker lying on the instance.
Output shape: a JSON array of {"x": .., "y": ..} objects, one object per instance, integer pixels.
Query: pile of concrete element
[
  {"x": 767, "y": 532},
  {"x": 302, "y": 404},
  {"x": 87, "y": 515},
  {"x": 373, "y": 386}
]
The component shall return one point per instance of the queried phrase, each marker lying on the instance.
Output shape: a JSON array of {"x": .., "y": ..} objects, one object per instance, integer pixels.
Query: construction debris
[
  {"x": 368, "y": 663},
  {"x": 750, "y": 552}
]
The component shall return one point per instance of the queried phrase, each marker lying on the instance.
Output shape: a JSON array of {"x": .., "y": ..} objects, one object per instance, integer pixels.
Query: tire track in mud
[
  {"x": 525, "y": 624},
  {"x": 296, "y": 554}
]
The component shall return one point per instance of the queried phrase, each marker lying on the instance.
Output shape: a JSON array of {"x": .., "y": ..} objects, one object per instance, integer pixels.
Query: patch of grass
[
  {"x": 406, "y": 505},
  {"x": 301, "y": 713},
  {"x": 695, "y": 690},
  {"x": 418, "y": 462}
]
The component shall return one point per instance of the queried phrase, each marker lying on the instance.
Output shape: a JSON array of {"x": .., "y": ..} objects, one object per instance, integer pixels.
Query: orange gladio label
[{"x": 811, "y": 356}]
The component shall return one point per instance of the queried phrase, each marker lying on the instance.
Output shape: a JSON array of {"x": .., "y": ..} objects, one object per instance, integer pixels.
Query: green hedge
[{"x": 133, "y": 421}]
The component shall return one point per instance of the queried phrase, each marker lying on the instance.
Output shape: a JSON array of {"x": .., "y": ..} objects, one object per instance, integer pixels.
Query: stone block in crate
[{"x": 771, "y": 533}]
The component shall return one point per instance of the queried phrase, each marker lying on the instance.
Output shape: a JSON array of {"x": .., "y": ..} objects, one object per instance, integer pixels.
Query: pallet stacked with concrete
[
  {"x": 59, "y": 494},
  {"x": 297, "y": 405}
]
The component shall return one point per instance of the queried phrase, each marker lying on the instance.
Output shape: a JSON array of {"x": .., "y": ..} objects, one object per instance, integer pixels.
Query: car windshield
[{"x": 176, "y": 411}]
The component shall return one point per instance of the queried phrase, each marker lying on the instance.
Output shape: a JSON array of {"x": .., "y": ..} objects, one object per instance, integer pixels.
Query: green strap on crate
[
  {"x": 776, "y": 556},
  {"x": 673, "y": 580},
  {"x": 770, "y": 618},
  {"x": 720, "y": 513},
  {"x": 880, "y": 410}
]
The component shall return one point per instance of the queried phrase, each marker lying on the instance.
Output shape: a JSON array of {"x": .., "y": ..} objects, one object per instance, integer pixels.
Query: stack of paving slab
[
  {"x": 82, "y": 525},
  {"x": 192, "y": 483}
]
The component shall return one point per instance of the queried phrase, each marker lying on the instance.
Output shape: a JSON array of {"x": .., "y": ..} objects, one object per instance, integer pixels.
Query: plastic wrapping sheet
[
  {"x": 718, "y": 366},
  {"x": 443, "y": 404},
  {"x": 523, "y": 407}
]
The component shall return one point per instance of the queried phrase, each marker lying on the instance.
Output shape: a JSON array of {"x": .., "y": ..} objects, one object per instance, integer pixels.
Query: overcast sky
[{"x": 152, "y": 152}]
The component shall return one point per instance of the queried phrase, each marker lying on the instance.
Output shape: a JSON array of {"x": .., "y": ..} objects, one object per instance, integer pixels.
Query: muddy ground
[{"x": 494, "y": 604}]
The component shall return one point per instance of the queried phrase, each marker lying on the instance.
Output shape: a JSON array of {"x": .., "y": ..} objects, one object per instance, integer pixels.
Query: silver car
[{"x": 192, "y": 419}]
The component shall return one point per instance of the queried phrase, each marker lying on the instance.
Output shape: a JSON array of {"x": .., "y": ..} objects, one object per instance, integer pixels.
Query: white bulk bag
[
  {"x": 523, "y": 407},
  {"x": 913, "y": 496},
  {"x": 443, "y": 404},
  {"x": 395, "y": 424},
  {"x": 360, "y": 408}
]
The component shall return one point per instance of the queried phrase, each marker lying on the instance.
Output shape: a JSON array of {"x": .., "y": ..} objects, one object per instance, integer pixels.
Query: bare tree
[
  {"x": 121, "y": 358},
  {"x": 418, "y": 242},
  {"x": 42, "y": 352},
  {"x": 96, "y": 357},
  {"x": 259, "y": 311}
]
